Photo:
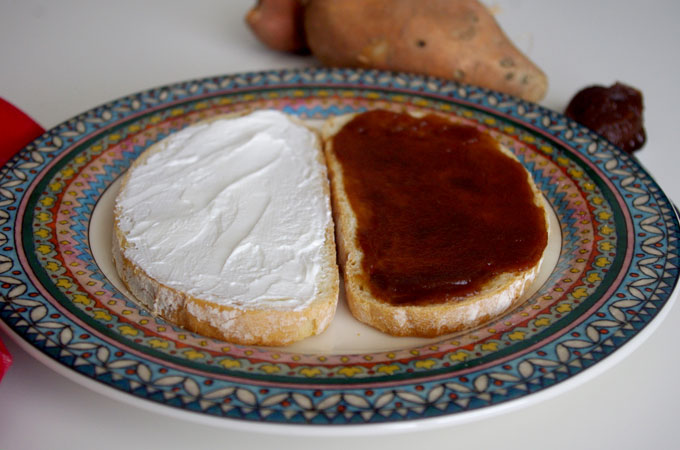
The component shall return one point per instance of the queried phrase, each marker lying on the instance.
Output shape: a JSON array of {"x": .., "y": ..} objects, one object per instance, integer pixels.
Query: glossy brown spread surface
[{"x": 440, "y": 209}]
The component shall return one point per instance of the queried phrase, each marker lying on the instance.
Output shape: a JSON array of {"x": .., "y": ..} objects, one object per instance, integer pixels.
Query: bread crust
[
  {"x": 498, "y": 295},
  {"x": 248, "y": 326}
]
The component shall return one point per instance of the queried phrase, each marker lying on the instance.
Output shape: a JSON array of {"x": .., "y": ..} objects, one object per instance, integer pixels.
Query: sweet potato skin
[
  {"x": 278, "y": 24},
  {"x": 453, "y": 39}
]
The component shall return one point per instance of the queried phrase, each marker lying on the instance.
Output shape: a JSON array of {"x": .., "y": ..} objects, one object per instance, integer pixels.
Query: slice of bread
[
  {"x": 225, "y": 229},
  {"x": 423, "y": 320}
]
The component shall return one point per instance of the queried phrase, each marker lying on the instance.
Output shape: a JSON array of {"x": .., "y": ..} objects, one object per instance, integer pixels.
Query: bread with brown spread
[{"x": 433, "y": 318}]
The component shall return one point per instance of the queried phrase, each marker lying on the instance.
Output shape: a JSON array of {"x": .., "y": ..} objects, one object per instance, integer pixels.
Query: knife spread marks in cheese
[{"x": 231, "y": 211}]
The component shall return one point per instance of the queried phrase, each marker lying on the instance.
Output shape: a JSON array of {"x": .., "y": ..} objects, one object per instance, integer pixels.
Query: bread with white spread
[{"x": 225, "y": 228}]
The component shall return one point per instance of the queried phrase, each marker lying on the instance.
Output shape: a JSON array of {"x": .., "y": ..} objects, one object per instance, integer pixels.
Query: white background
[{"x": 58, "y": 59}]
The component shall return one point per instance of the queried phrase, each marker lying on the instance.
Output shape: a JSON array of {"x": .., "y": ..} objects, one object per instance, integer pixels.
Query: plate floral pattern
[{"x": 617, "y": 267}]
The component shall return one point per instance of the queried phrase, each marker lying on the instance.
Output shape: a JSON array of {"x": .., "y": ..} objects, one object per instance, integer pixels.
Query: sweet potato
[
  {"x": 454, "y": 39},
  {"x": 278, "y": 25}
]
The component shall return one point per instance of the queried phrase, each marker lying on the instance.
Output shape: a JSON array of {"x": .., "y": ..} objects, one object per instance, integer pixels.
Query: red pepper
[
  {"x": 16, "y": 131},
  {"x": 5, "y": 360}
]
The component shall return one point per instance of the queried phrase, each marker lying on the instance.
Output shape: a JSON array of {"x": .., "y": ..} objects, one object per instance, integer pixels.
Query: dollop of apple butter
[{"x": 614, "y": 113}]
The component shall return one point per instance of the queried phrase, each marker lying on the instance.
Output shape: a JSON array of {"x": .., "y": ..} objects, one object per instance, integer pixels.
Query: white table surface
[{"x": 58, "y": 59}]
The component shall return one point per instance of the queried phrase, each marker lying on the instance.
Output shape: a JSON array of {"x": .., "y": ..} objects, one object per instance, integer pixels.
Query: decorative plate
[{"x": 611, "y": 266}]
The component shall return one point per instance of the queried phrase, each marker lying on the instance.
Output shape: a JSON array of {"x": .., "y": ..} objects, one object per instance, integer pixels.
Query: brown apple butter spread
[{"x": 440, "y": 209}]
